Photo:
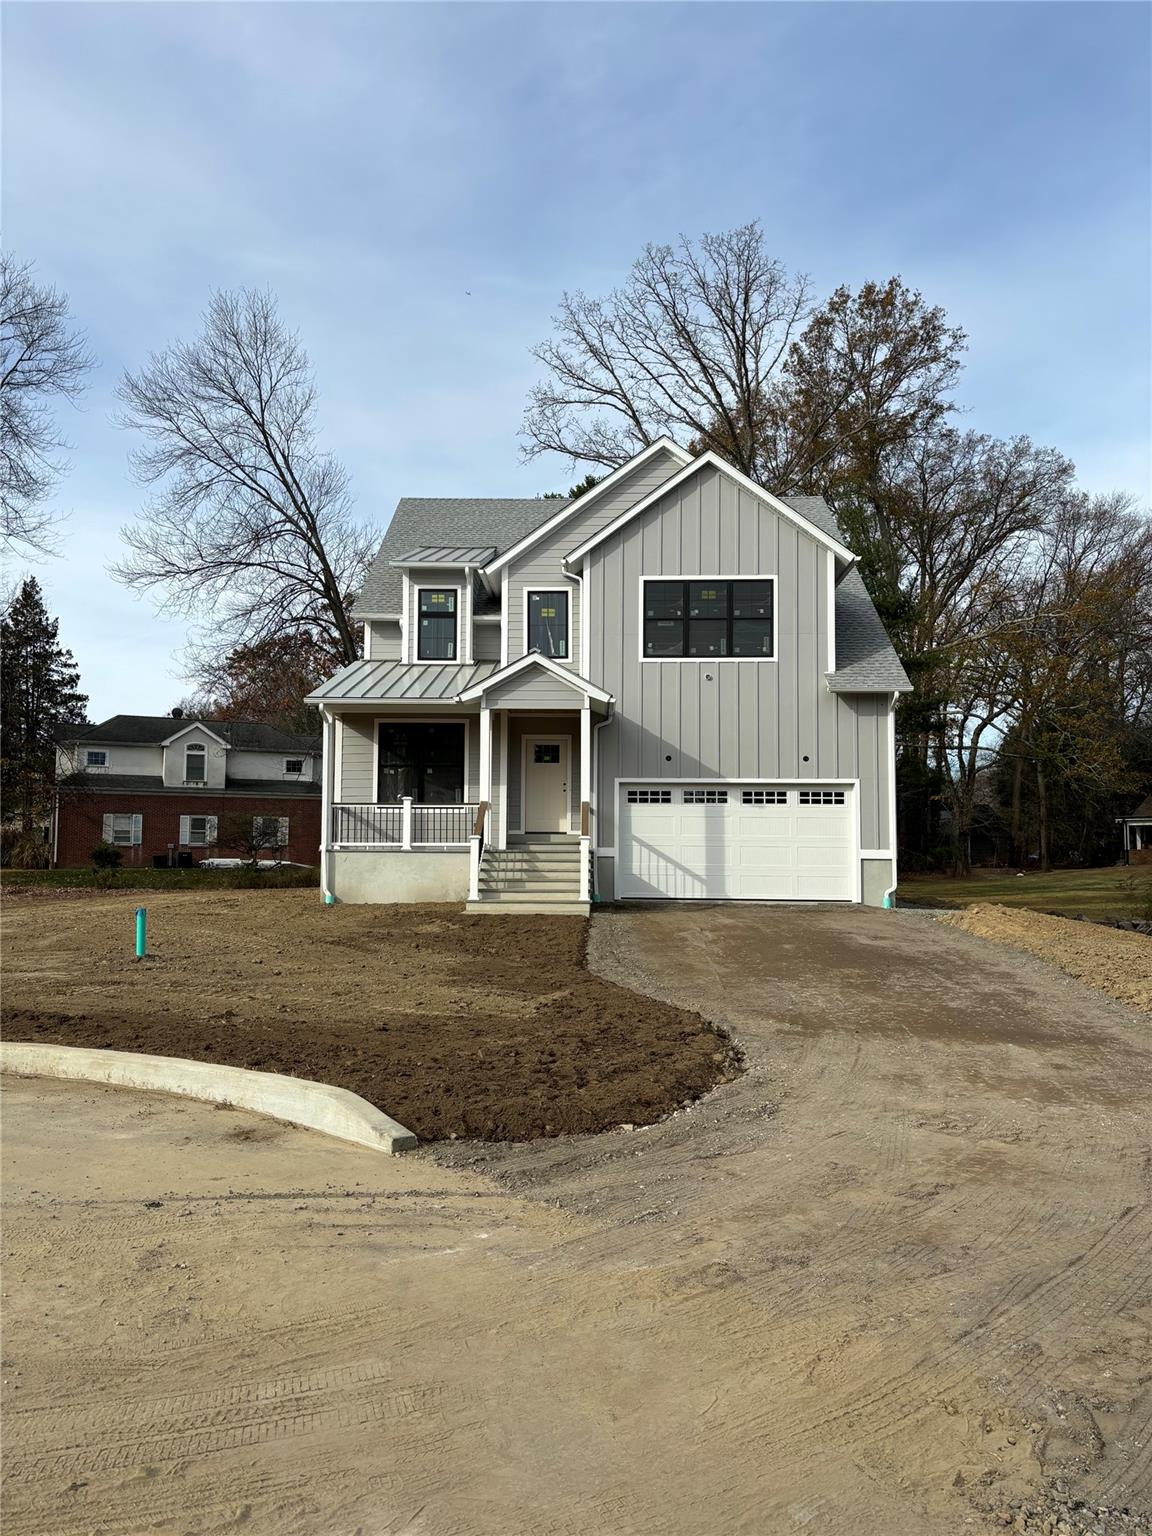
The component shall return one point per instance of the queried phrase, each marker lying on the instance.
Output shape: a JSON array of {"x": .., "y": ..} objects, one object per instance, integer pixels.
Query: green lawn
[
  {"x": 1112, "y": 892},
  {"x": 163, "y": 879}
]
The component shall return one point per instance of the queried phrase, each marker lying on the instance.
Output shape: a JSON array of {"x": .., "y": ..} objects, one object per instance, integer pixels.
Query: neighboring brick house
[{"x": 162, "y": 786}]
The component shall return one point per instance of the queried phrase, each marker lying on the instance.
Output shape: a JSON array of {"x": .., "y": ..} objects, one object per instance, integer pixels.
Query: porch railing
[{"x": 405, "y": 825}]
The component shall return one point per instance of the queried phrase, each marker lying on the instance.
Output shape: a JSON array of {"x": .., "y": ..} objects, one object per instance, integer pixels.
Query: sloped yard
[{"x": 456, "y": 1025}]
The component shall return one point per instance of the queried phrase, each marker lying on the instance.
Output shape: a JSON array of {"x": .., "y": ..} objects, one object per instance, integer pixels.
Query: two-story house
[
  {"x": 165, "y": 789},
  {"x": 674, "y": 686}
]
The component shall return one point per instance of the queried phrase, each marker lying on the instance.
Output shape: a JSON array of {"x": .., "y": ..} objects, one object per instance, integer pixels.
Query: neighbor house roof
[
  {"x": 1142, "y": 810},
  {"x": 153, "y": 783},
  {"x": 154, "y": 730},
  {"x": 417, "y": 683}
]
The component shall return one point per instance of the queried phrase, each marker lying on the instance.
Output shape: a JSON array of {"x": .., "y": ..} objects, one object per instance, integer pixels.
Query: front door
[{"x": 546, "y": 783}]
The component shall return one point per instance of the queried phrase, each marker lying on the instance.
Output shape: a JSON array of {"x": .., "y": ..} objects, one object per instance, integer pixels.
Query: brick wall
[{"x": 81, "y": 823}]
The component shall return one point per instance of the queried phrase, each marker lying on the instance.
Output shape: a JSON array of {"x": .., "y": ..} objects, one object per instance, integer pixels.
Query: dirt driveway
[{"x": 893, "y": 1278}]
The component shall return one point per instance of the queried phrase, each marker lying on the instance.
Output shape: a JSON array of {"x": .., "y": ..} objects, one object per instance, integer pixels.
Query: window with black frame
[
  {"x": 436, "y": 624},
  {"x": 424, "y": 760},
  {"x": 548, "y": 624},
  {"x": 707, "y": 618}
]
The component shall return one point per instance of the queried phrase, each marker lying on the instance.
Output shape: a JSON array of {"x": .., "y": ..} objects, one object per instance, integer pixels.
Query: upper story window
[
  {"x": 436, "y": 624},
  {"x": 196, "y": 764},
  {"x": 709, "y": 618},
  {"x": 94, "y": 759},
  {"x": 548, "y": 624},
  {"x": 294, "y": 765}
]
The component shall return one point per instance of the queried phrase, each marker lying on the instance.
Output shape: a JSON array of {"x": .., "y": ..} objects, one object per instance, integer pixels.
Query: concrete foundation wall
[
  {"x": 877, "y": 879},
  {"x": 381, "y": 877}
]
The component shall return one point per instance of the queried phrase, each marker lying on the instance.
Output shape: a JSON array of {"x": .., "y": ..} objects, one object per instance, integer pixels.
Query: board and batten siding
[
  {"x": 722, "y": 718},
  {"x": 542, "y": 565},
  {"x": 356, "y": 753}
]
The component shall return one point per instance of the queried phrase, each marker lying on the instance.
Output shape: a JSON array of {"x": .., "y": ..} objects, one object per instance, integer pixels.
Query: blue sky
[{"x": 375, "y": 163}]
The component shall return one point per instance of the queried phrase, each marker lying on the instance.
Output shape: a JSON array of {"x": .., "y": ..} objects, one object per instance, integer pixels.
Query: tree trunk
[
  {"x": 1017, "y": 786},
  {"x": 1042, "y": 816}
]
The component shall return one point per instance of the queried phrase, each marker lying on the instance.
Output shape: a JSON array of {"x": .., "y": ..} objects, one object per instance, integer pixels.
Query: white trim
[
  {"x": 830, "y": 617},
  {"x": 398, "y": 719},
  {"x": 891, "y": 891},
  {"x": 875, "y": 853},
  {"x": 504, "y": 635},
  {"x": 705, "y": 779},
  {"x": 523, "y": 829},
  {"x": 485, "y": 786},
  {"x": 569, "y": 597},
  {"x": 406, "y": 622},
  {"x": 366, "y": 648},
  {"x": 505, "y": 733},
  {"x": 563, "y": 674},
  {"x": 582, "y": 503},
  {"x": 710, "y": 576},
  {"x": 464, "y": 636},
  {"x": 393, "y": 618},
  {"x": 742, "y": 480},
  {"x": 196, "y": 725}
]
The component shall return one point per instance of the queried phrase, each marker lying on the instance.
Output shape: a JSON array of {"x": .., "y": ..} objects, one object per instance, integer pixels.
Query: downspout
[{"x": 890, "y": 894}]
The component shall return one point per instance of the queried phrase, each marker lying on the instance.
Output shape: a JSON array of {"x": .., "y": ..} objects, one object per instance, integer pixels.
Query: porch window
[
  {"x": 425, "y": 761},
  {"x": 436, "y": 624},
  {"x": 548, "y": 624}
]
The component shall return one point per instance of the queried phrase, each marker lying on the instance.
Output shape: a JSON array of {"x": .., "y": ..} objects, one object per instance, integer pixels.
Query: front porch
[{"x": 486, "y": 800}]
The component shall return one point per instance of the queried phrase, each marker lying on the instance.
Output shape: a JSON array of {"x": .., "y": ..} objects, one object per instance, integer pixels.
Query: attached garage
[{"x": 738, "y": 842}]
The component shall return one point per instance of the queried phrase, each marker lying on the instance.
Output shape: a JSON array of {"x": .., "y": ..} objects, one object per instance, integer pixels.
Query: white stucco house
[{"x": 674, "y": 687}]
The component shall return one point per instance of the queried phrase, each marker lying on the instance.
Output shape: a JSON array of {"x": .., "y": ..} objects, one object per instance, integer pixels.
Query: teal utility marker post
[
  {"x": 141, "y": 932},
  {"x": 889, "y": 903}
]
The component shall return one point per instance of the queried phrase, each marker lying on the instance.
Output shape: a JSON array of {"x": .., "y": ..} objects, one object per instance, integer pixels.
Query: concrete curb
[{"x": 316, "y": 1106}]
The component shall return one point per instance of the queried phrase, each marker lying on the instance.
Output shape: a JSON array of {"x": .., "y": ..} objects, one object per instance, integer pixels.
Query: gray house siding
[
  {"x": 542, "y": 565},
  {"x": 533, "y": 692},
  {"x": 486, "y": 642},
  {"x": 727, "y": 719},
  {"x": 384, "y": 636}
]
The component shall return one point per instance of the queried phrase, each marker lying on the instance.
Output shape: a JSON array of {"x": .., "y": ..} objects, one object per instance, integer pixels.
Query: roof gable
[
  {"x": 711, "y": 460},
  {"x": 534, "y": 661}
]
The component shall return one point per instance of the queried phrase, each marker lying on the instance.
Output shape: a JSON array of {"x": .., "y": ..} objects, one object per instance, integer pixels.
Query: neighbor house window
[
  {"x": 425, "y": 761},
  {"x": 197, "y": 831},
  {"x": 195, "y": 764},
  {"x": 548, "y": 623},
  {"x": 124, "y": 829},
  {"x": 709, "y": 618},
  {"x": 94, "y": 759},
  {"x": 436, "y": 624},
  {"x": 293, "y": 765}
]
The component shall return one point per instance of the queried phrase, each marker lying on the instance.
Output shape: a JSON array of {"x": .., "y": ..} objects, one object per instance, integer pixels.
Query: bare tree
[
  {"x": 252, "y": 523},
  {"x": 42, "y": 361},
  {"x": 689, "y": 346}
]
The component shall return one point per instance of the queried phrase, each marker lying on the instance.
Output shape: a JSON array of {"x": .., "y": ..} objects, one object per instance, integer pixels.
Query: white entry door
[
  {"x": 720, "y": 841},
  {"x": 546, "y": 783}
]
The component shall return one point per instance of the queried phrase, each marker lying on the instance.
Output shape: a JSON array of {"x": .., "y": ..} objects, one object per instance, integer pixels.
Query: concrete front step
[
  {"x": 559, "y": 888},
  {"x": 505, "y": 906}
]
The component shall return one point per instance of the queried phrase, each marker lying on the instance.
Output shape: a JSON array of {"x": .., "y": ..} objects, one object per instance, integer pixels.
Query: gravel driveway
[{"x": 895, "y": 1279}]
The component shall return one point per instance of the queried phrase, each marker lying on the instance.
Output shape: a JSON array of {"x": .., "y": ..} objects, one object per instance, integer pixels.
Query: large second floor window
[
  {"x": 436, "y": 624},
  {"x": 195, "y": 764},
  {"x": 548, "y": 623},
  {"x": 709, "y": 618},
  {"x": 424, "y": 760}
]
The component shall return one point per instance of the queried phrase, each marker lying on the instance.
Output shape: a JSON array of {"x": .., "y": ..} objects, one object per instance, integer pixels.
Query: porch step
[
  {"x": 526, "y": 905},
  {"x": 552, "y": 884},
  {"x": 500, "y": 860}
]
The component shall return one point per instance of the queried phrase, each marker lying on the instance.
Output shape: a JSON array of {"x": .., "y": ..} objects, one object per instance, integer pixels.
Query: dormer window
[
  {"x": 196, "y": 764},
  {"x": 436, "y": 624}
]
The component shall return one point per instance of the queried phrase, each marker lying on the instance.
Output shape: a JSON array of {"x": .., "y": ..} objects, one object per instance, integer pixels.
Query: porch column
[
  {"x": 485, "y": 753},
  {"x": 327, "y": 799}
]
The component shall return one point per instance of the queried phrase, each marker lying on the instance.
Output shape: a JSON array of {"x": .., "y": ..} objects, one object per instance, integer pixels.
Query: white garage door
[{"x": 750, "y": 842}]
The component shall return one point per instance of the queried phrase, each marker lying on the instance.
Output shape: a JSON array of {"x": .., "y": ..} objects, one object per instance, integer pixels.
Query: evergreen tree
[{"x": 38, "y": 695}]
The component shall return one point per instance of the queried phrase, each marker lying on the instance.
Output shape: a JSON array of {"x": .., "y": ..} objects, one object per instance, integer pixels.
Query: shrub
[{"x": 106, "y": 856}]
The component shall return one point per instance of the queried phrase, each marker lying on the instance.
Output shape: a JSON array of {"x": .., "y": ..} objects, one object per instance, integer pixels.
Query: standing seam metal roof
[
  {"x": 439, "y": 554},
  {"x": 398, "y": 680}
]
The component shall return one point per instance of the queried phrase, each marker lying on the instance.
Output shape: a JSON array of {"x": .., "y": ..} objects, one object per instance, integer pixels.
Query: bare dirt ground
[
  {"x": 1116, "y": 962},
  {"x": 455, "y": 1025},
  {"x": 894, "y": 1280}
]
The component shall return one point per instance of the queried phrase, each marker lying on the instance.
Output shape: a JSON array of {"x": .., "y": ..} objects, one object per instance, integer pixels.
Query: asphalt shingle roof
[
  {"x": 153, "y": 783},
  {"x": 151, "y": 730},
  {"x": 866, "y": 661}
]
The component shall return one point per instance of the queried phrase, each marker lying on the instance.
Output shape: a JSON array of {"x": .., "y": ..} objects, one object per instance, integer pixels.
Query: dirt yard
[
  {"x": 454, "y": 1025},
  {"x": 895, "y": 1279},
  {"x": 1116, "y": 962}
]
